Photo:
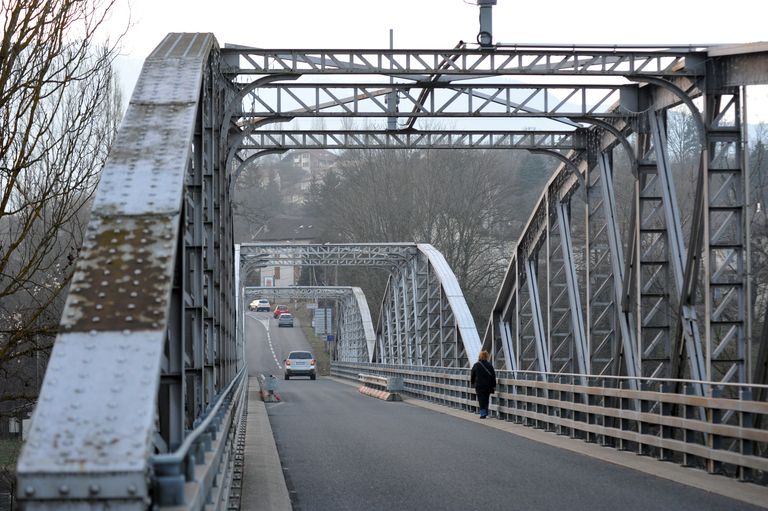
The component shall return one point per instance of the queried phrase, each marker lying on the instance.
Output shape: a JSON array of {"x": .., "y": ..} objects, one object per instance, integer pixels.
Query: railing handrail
[
  {"x": 577, "y": 375},
  {"x": 181, "y": 452}
]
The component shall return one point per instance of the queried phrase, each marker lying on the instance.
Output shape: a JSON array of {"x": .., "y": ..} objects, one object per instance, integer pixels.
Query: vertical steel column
[
  {"x": 577, "y": 317},
  {"x": 677, "y": 251},
  {"x": 542, "y": 353},
  {"x": 433, "y": 320},
  {"x": 560, "y": 334},
  {"x": 604, "y": 340},
  {"x": 408, "y": 321},
  {"x": 508, "y": 339},
  {"x": 654, "y": 309},
  {"x": 725, "y": 239},
  {"x": 527, "y": 350},
  {"x": 617, "y": 262},
  {"x": 419, "y": 311}
]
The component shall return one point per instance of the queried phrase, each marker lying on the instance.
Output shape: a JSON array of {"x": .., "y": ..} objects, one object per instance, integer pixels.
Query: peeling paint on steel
[{"x": 124, "y": 275}]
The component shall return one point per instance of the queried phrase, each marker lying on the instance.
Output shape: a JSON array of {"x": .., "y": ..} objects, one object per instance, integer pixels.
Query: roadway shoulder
[{"x": 264, "y": 485}]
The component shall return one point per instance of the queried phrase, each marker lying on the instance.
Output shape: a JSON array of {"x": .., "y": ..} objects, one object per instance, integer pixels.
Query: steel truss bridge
[
  {"x": 354, "y": 327},
  {"x": 630, "y": 328},
  {"x": 424, "y": 319}
]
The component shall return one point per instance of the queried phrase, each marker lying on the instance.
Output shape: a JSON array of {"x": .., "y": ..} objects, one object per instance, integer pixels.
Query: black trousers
[{"x": 482, "y": 398}]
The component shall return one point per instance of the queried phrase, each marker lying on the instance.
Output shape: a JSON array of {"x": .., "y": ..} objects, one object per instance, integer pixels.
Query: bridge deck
[{"x": 342, "y": 450}]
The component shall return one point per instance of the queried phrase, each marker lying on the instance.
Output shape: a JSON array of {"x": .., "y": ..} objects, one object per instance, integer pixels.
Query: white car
[
  {"x": 300, "y": 363},
  {"x": 260, "y": 305}
]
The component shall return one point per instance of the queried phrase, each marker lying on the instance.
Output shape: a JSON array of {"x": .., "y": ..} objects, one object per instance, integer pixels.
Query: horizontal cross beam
[
  {"x": 444, "y": 100},
  {"x": 298, "y": 292},
  {"x": 518, "y": 60},
  {"x": 257, "y": 255},
  {"x": 382, "y": 139}
]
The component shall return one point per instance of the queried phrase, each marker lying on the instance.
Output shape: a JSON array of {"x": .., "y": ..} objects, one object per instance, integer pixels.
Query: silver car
[
  {"x": 300, "y": 363},
  {"x": 285, "y": 319}
]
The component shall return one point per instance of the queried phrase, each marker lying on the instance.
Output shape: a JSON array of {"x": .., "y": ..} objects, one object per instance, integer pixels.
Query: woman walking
[{"x": 483, "y": 377}]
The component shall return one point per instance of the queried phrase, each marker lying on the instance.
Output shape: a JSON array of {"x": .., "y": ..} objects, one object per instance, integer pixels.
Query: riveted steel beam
[
  {"x": 508, "y": 60},
  {"x": 445, "y": 100},
  {"x": 416, "y": 139}
]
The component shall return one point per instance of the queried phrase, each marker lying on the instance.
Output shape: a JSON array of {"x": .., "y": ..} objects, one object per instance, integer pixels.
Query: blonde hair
[{"x": 484, "y": 355}]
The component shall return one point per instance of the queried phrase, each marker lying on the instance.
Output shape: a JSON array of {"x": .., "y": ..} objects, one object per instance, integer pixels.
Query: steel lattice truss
[
  {"x": 380, "y": 139},
  {"x": 355, "y": 336},
  {"x": 518, "y": 60},
  {"x": 424, "y": 319},
  {"x": 589, "y": 289},
  {"x": 444, "y": 99}
]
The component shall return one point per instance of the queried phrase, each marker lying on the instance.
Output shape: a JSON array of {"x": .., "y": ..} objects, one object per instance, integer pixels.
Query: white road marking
[{"x": 265, "y": 322}]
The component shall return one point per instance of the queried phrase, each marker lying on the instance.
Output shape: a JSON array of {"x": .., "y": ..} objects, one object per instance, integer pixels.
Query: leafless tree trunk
[{"x": 59, "y": 111}]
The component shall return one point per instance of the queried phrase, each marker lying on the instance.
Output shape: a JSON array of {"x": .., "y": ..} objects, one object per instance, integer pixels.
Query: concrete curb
[
  {"x": 264, "y": 487},
  {"x": 720, "y": 485}
]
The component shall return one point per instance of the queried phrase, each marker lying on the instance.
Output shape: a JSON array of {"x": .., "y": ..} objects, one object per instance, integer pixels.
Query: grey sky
[{"x": 436, "y": 24}]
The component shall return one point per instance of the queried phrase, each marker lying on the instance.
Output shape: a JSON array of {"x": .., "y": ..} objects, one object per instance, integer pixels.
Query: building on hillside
[
  {"x": 281, "y": 229},
  {"x": 314, "y": 161}
]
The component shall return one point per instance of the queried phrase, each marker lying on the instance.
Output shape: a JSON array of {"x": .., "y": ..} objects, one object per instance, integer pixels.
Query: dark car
[{"x": 280, "y": 309}]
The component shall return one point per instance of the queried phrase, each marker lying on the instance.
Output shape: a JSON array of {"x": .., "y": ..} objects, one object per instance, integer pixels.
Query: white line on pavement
[{"x": 265, "y": 322}]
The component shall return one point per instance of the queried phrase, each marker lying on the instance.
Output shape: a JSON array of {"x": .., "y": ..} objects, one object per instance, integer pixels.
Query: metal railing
[
  {"x": 662, "y": 419},
  {"x": 196, "y": 475}
]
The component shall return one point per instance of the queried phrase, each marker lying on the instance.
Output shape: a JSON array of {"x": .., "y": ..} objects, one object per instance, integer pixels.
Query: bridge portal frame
[{"x": 162, "y": 215}]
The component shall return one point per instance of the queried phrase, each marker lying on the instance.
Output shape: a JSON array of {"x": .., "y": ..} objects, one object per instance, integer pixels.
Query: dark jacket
[{"x": 483, "y": 377}]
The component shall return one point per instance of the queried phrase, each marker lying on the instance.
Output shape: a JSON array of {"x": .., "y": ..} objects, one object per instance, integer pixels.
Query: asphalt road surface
[{"x": 341, "y": 450}]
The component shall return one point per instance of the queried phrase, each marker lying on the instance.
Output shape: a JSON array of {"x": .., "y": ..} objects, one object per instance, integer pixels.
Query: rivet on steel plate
[
  {"x": 134, "y": 294},
  {"x": 99, "y": 306},
  {"x": 29, "y": 491},
  {"x": 137, "y": 272},
  {"x": 131, "y": 489},
  {"x": 94, "y": 489},
  {"x": 131, "y": 306},
  {"x": 96, "y": 319},
  {"x": 129, "y": 318},
  {"x": 107, "y": 272},
  {"x": 102, "y": 294},
  {"x": 64, "y": 489}
]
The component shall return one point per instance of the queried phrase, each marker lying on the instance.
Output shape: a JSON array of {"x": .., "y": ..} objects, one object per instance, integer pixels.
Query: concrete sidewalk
[{"x": 264, "y": 485}]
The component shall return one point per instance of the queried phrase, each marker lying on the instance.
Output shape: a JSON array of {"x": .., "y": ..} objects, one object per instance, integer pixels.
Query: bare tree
[
  {"x": 59, "y": 111},
  {"x": 459, "y": 201}
]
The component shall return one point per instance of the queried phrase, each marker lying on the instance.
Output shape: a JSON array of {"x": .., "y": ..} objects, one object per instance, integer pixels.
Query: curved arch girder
[
  {"x": 355, "y": 335},
  {"x": 424, "y": 317},
  {"x": 148, "y": 325}
]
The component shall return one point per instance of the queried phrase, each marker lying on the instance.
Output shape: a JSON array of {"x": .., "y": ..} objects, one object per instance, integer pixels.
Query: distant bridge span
[{"x": 602, "y": 337}]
